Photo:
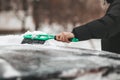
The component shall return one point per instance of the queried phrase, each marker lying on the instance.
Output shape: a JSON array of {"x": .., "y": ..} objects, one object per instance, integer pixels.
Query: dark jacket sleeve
[{"x": 106, "y": 27}]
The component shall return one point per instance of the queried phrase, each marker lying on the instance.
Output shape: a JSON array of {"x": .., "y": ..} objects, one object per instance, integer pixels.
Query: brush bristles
[{"x": 31, "y": 41}]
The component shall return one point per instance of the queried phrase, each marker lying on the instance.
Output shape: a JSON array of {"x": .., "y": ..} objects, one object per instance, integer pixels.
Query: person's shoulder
[{"x": 116, "y": 1}]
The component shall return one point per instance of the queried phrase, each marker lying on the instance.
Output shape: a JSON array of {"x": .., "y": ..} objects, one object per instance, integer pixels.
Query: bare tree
[{"x": 62, "y": 12}]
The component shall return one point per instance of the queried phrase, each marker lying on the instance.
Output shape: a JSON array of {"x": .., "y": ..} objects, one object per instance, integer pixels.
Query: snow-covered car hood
[{"x": 57, "y": 63}]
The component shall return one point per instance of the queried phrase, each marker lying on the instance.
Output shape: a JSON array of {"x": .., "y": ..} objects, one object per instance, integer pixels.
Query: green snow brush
[{"x": 40, "y": 38}]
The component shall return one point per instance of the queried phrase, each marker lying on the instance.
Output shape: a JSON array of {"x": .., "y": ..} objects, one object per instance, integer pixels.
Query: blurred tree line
[{"x": 62, "y": 12}]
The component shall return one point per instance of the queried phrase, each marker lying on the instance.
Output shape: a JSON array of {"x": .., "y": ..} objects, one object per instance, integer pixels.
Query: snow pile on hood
[
  {"x": 17, "y": 39},
  {"x": 10, "y": 39}
]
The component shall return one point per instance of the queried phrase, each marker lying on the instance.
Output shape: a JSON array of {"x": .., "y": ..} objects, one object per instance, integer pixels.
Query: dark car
[{"x": 40, "y": 62}]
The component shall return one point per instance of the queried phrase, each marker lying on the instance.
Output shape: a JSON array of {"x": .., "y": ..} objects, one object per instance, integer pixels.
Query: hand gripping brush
[{"x": 40, "y": 38}]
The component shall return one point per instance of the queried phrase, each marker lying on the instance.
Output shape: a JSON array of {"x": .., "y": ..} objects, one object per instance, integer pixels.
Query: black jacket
[
  {"x": 109, "y": 1},
  {"x": 107, "y": 28}
]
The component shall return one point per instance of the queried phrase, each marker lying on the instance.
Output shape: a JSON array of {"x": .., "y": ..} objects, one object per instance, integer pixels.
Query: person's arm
[{"x": 106, "y": 27}]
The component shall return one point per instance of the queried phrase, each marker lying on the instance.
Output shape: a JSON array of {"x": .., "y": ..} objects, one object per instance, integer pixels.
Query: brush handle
[
  {"x": 71, "y": 39},
  {"x": 44, "y": 37}
]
